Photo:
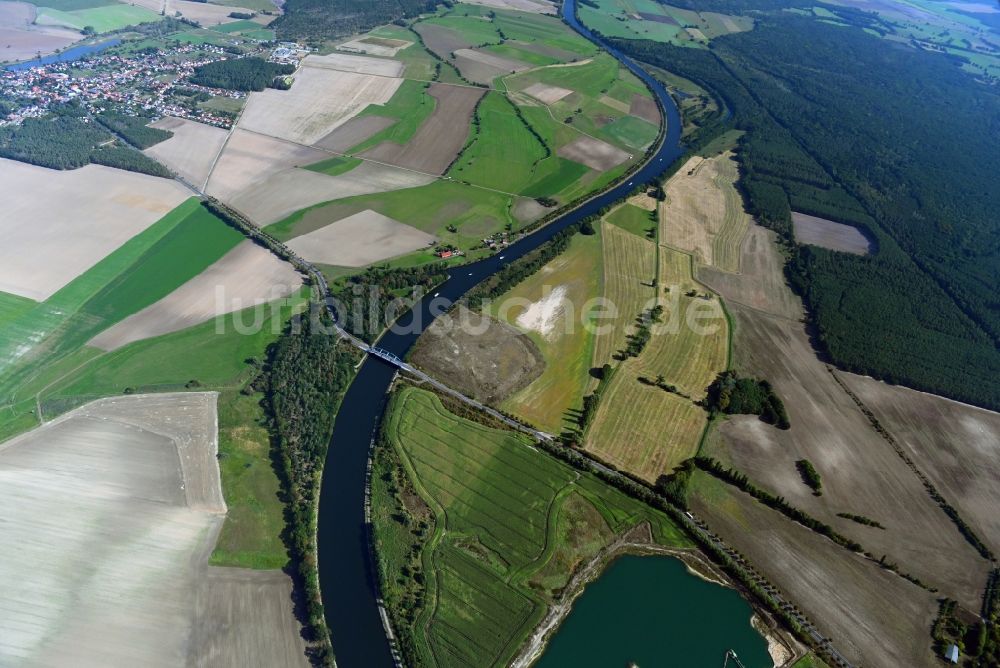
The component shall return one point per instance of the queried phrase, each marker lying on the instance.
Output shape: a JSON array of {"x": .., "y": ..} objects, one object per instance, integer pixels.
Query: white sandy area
[{"x": 543, "y": 315}]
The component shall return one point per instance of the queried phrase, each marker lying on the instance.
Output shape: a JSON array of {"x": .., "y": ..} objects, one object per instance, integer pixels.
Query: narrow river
[{"x": 347, "y": 576}]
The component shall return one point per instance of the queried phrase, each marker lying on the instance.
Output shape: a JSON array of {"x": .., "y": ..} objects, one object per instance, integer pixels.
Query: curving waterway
[{"x": 348, "y": 578}]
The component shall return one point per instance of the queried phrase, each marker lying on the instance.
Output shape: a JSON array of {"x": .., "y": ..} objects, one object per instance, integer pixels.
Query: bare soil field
[
  {"x": 761, "y": 284},
  {"x": 533, "y": 6},
  {"x": 483, "y": 66},
  {"x": 83, "y": 215},
  {"x": 645, "y": 108},
  {"x": 359, "y": 240},
  {"x": 192, "y": 151},
  {"x": 243, "y": 277},
  {"x": 861, "y": 472},
  {"x": 828, "y": 234},
  {"x": 482, "y": 357},
  {"x": 245, "y": 618},
  {"x": 528, "y": 210},
  {"x": 249, "y": 159},
  {"x": 546, "y": 93},
  {"x": 376, "y": 46},
  {"x": 291, "y": 190},
  {"x": 703, "y": 213},
  {"x": 593, "y": 153},
  {"x": 343, "y": 62},
  {"x": 442, "y": 41},
  {"x": 206, "y": 14},
  {"x": 353, "y": 132},
  {"x": 20, "y": 39},
  {"x": 874, "y": 617},
  {"x": 440, "y": 138},
  {"x": 320, "y": 100},
  {"x": 111, "y": 512},
  {"x": 956, "y": 445}
]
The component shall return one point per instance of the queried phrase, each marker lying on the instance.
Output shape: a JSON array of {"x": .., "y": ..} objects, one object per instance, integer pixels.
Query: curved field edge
[{"x": 468, "y": 555}]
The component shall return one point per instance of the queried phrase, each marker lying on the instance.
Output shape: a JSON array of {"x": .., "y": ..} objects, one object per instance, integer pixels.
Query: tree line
[{"x": 243, "y": 74}]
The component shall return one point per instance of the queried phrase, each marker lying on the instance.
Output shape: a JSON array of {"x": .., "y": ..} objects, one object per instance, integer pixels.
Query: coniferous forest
[{"x": 847, "y": 126}]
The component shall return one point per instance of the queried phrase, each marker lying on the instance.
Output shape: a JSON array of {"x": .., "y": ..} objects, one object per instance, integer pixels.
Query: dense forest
[
  {"x": 305, "y": 378},
  {"x": 902, "y": 143},
  {"x": 317, "y": 20},
  {"x": 133, "y": 129},
  {"x": 246, "y": 74},
  {"x": 68, "y": 142}
]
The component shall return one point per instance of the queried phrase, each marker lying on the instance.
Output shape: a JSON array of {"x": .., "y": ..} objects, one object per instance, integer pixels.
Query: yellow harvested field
[
  {"x": 320, "y": 100},
  {"x": 644, "y": 202},
  {"x": 359, "y": 240},
  {"x": 58, "y": 224},
  {"x": 245, "y": 276},
  {"x": 381, "y": 67},
  {"x": 690, "y": 347},
  {"x": 22, "y": 39},
  {"x": 377, "y": 46},
  {"x": 703, "y": 213},
  {"x": 642, "y": 429},
  {"x": 629, "y": 267},
  {"x": 192, "y": 151}
]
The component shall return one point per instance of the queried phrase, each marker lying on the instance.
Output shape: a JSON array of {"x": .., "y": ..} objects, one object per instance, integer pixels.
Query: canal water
[
  {"x": 652, "y": 612},
  {"x": 74, "y": 53},
  {"x": 346, "y": 570}
]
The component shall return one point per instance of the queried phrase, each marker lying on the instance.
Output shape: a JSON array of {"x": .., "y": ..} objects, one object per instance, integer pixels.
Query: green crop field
[
  {"x": 13, "y": 306},
  {"x": 633, "y": 219},
  {"x": 71, "y": 5},
  {"x": 633, "y": 132},
  {"x": 338, "y": 164},
  {"x": 546, "y": 30},
  {"x": 503, "y": 152},
  {"x": 411, "y": 105},
  {"x": 555, "y": 175},
  {"x": 102, "y": 19},
  {"x": 508, "y": 526},
  {"x": 648, "y": 19},
  {"x": 568, "y": 348},
  {"x": 475, "y": 30}
]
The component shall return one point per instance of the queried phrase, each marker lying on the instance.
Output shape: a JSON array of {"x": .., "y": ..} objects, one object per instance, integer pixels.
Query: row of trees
[{"x": 305, "y": 378}]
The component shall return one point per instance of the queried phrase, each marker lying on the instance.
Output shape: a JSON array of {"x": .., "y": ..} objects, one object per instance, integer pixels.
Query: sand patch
[
  {"x": 593, "y": 153},
  {"x": 359, "y": 240},
  {"x": 353, "y": 132},
  {"x": 247, "y": 275},
  {"x": 376, "y": 46},
  {"x": 436, "y": 143},
  {"x": 290, "y": 190},
  {"x": 546, "y": 93},
  {"x": 543, "y": 315},
  {"x": 320, "y": 100},
  {"x": 343, "y": 62},
  {"x": 192, "y": 150},
  {"x": 828, "y": 234},
  {"x": 57, "y": 224}
]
